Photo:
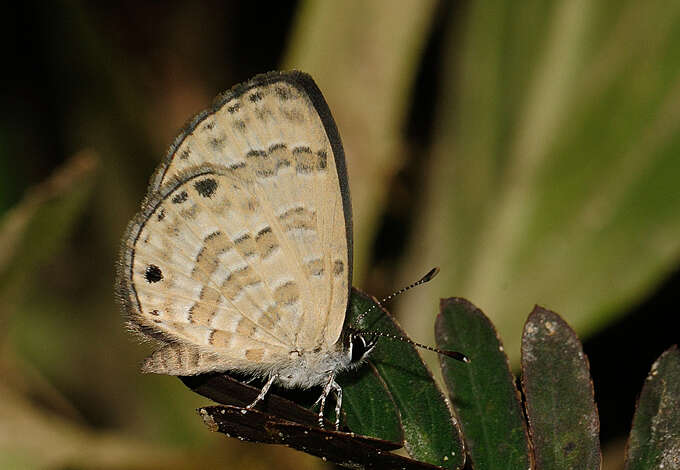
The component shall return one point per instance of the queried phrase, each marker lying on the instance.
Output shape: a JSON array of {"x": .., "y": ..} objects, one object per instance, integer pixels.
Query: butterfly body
[
  {"x": 302, "y": 369},
  {"x": 240, "y": 258}
]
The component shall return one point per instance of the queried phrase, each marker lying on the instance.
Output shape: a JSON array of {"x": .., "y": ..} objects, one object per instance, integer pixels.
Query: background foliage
[{"x": 529, "y": 150}]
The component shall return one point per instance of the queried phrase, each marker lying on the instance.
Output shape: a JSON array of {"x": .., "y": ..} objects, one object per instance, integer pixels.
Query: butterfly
[{"x": 240, "y": 258}]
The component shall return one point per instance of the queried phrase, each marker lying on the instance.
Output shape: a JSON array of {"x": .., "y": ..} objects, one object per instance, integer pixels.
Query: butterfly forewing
[{"x": 243, "y": 245}]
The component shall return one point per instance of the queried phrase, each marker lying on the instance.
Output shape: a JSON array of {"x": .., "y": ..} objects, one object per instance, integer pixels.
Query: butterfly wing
[{"x": 242, "y": 250}]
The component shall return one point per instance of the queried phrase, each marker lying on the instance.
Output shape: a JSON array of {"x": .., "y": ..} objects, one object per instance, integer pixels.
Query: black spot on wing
[
  {"x": 153, "y": 273},
  {"x": 256, "y": 154},
  {"x": 275, "y": 147},
  {"x": 301, "y": 150},
  {"x": 217, "y": 142},
  {"x": 242, "y": 239},
  {"x": 283, "y": 93},
  {"x": 263, "y": 232},
  {"x": 206, "y": 187},
  {"x": 338, "y": 267},
  {"x": 212, "y": 236},
  {"x": 180, "y": 198},
  {"x": 322, "y": 162}
]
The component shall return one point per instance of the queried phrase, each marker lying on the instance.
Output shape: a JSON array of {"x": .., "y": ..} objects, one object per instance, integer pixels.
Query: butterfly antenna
[
  {"x": 427, "y": 277},
  {"x": 445, "y": 352}
]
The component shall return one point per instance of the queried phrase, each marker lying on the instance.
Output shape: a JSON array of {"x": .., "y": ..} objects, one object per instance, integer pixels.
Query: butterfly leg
[
  {"x": 338, "y": 403},
  {"x": 322, "y": 398},
  {"x": 262, "y": 394},
  {"x": 249, "y": 381}
]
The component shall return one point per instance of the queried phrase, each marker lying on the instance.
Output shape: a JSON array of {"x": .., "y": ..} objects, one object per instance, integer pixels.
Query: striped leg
[
  {"x": 338, "y": 403},
  {"x": 322, "y": 398},
  {"x": 262, "y": 394}
]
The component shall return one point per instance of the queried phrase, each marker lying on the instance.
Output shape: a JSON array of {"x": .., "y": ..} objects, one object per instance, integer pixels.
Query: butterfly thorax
[{"x": 306, "y": 369}]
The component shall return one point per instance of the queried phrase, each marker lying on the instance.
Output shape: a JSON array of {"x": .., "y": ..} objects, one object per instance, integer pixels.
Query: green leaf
[
  {"x": 369, "y": 407},
  {"x": 482, "y": 392},
  {"x": 655, "y": 438},
  {"x": 563, "y": 421},
  {"x": 430, "y": 434}
]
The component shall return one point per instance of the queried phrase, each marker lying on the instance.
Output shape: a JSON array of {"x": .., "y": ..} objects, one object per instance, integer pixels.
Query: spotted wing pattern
[{"x": 241, "y": 253}]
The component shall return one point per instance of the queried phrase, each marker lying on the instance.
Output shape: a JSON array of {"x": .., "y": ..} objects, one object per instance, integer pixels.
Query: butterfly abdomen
[{"x": 312, "y": 368}]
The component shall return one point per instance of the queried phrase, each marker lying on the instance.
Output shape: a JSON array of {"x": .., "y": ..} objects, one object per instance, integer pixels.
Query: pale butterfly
[{"x": 241, "y": 256}]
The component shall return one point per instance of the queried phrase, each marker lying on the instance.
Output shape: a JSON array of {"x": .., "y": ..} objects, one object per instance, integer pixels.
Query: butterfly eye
[{"x": 360, "y": 347}]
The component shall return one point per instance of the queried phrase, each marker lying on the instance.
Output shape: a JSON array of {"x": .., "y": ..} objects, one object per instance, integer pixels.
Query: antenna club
[
  {"x": 456, "y": 355},
  {"x": 427, "y": 277},
  {"x": 430, "y": 275}
]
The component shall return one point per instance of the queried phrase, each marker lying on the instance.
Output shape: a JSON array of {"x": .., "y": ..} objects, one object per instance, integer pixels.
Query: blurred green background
[{"x": 530, "y": 149}]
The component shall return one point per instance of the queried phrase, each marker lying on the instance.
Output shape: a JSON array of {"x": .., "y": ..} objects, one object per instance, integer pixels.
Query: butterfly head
[{"x": 359, "y": 345}]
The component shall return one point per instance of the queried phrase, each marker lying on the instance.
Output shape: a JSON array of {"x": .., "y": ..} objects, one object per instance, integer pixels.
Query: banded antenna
[{"x": 426, "y": 278}]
